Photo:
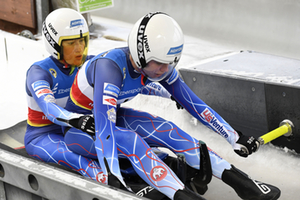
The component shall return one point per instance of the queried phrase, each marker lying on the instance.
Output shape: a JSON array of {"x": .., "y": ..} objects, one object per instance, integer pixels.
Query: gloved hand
[
  {"x": 247, "y": 145},
  {"x": 85, "y": 123},
  {"x": 177, "y": 104}
]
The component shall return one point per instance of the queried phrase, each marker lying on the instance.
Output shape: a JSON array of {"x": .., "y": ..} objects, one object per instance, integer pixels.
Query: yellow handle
[
  {"x": 272, "y": 135},
  {"x": 285, "y": 128}
]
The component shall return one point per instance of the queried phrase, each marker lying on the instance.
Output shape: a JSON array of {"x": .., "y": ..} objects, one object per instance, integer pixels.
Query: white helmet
[
  {"x": 63, "y": 24},
  {"x": 156, "y": 36}
]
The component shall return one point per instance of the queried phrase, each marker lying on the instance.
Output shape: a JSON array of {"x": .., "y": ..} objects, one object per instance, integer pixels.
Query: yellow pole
[{"x": 284, "y": 129}]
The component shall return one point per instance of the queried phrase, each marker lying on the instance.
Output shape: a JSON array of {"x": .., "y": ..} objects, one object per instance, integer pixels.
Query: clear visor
[
  {"x": 63, "y": 55},
  {"x": 156, "y": 71}
]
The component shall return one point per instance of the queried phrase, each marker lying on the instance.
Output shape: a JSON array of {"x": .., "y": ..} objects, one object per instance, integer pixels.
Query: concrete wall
[
  {"x": 251, "y": 92},
  {"x": 268, "y": 26}
]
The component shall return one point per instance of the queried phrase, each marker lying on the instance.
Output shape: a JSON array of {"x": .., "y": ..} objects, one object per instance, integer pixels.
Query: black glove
[
  {"x": 177, "y": 104},
  {"x": 85, "y": 123},
  {"x": 248, "y": 144}
]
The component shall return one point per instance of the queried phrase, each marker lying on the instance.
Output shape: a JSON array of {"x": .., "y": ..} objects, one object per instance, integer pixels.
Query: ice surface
[{"x": 270, "y": 164}]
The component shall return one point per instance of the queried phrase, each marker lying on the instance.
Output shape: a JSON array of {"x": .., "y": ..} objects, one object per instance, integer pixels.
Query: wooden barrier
[{"x": 17, "y": 15}]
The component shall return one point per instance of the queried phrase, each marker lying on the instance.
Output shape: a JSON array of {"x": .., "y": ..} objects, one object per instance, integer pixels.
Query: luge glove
[
  {"x": 247, "y": 144},
  {"x": 86, "y": 123}
]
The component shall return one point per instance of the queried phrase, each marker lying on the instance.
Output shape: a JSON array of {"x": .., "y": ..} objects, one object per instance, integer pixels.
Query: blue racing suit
[
  {"x": 101, "y": 86},
  {"x": 48, "y": 84}
]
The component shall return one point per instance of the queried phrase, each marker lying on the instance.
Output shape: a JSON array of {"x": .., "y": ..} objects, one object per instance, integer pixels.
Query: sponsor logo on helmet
[
  {"x": 175, "y": 50},
  {"x": 50, "y": 39},
  {"x": 149, "y": 15},
  {"x": 214, "y": 122},
  {"x": 52, "y": 29},
  {"x": 47, "y": 36},
  {"x": 77, "y": 22},
  {"x": 146, "y": 44},
  {"x": 158, "y": 173},
  {"x": 140, "y": 42},
  {"x": 111, "y": 89}
]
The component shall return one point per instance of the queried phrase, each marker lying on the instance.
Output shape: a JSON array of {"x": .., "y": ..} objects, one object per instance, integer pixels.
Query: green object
[{"x": 92, "y": 5}]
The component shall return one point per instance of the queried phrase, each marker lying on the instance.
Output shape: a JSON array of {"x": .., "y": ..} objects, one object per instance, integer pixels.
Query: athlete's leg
[
  {"x": 50, "y": 147},
  {"x": 80, "y": 143},
  {"x": 146, "y": 163},
  {"x": 159, "y": 132}
]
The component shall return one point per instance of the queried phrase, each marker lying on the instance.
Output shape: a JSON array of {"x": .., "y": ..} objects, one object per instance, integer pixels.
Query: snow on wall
[{"x": 17, "y": 54}]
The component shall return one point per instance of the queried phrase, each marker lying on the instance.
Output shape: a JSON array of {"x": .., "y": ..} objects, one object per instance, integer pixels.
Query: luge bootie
[{"x": 247, "y": 188}]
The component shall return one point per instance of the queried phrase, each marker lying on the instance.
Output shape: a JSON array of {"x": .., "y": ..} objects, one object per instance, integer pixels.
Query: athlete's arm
[
  {"x": 200, "y": 110},
  {"x": 106, "y": 77},
  {"x": 156, "y": 89},
  {"x": 38, "y": 85}
]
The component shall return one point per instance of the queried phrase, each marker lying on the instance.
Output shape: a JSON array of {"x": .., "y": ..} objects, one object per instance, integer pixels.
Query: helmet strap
[
  {"x": 143, "y": 79},
  {"x": 66, "y": 65},
  {"x": 143, "y": 75},
  {"x": 139, "y": 70}
]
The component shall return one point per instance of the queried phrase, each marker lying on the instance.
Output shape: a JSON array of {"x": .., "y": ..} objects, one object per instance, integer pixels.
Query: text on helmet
[
  {"x": 175, "y": 50},
  {"x": 47, "y": 36},
  {"x": 140, "y": 41},
  {"x": 52, "y": 29},
  {"x": 77, "y": 22},
  {"x": 146, "y": 44}
]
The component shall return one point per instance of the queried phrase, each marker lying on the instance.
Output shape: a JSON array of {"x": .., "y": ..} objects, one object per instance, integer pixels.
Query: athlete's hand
[
  {"x": 246, "y": 145},
  {"x": 85, "y": 123},
  {"x": 177, "y": 104}
]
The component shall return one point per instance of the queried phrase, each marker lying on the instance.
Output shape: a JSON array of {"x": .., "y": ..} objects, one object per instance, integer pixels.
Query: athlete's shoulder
[
  {"x": 172, "y": 77},
  {"x": 89, "y": 57},
  {"x": 112, "y": 54},
  {"x": 117, "y": 57},
  {"x": 39, "y": 68},
  {"x": 43, "y": 62}
]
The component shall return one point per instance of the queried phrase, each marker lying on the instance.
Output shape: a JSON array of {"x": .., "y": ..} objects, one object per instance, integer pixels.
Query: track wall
[{"x": 269, "y": 26}]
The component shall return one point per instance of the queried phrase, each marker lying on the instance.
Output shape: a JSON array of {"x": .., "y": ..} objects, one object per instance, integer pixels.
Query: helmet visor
[
  {"x": 156, "y": 71},
  {"x": 85, "y": 36}
]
